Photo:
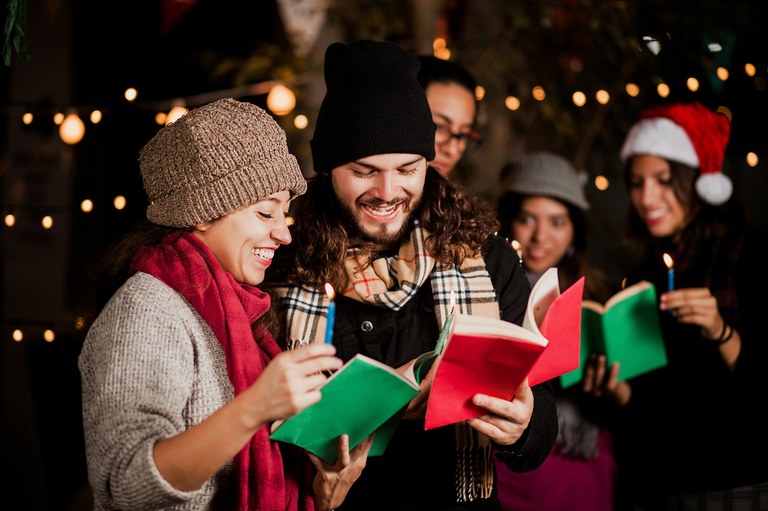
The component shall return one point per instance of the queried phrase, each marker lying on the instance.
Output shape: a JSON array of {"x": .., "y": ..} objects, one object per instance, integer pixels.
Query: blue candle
[
  {"x": 670, "y": 272},
  {"x": 331, "y": 317}
]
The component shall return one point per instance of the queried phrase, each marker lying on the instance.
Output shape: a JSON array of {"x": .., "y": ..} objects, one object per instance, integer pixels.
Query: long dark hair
[{"x": 457, "y": 222}]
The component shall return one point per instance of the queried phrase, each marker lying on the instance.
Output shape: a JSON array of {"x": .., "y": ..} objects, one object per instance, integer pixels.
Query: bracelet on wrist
[{"x": 726, "y": 335}]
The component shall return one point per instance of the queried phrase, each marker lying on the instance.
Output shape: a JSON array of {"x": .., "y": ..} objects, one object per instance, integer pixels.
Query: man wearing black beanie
[{"x": 395, "y": 239}]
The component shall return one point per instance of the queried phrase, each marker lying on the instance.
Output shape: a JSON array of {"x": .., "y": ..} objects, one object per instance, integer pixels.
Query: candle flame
[
  {"x": 516, "y": 245},
  {"x": 668, "y": 260},
  {"x": 329, "y": 290}
]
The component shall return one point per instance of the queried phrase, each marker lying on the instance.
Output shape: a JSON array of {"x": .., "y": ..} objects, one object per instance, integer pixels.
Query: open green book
[
  {"x": 363, "y": 396},
  {"x": 626, "y": 330}
]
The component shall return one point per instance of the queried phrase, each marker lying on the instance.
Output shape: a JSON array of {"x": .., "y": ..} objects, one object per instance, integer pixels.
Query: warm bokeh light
[
  {"x": 439, "y": 43},
  {"x": 49, "y": 335},
  {"x": 86, "y": 206},
  {"x": 512, "y": 103},
  {"x": 281, "y": 100},
  {"x": 300, "y": 121},
  {"x": 538, "y": 93},
  {"x": 692, "y": 84},
  {"x": 27, "y": 118},
  {"x": 602, "y": 97},
  {"x": 750, "y": 69},
  {"x": 662, "y": 90},
  {"x": 601, "y": 183},
  {"x": 79, "y": 323},
  {"x": 96, "y": 116},
  {"x": 58, "y": 118},
  {"x": 752, "y": 159},
  {"x": 479, "y": 92},
  {"x": 632, "y": 89},
  {"x": 72, "y": 129},
  {"x": 131, "y": 94},
  {"x": 160, "y": 118},
  {"x": 47, "y": 222},
  {"x": 579, "y": 98},
  {"x": 18, "y": 335},
  {"x": 9, "y": 220},
  {"x": 289, "y": 220},
  {"x": 726, "y": 112},
  {"x": 443, "y": 54},
  {"x": 119, "y": 202},
  {"x": 176, "y": 113},
  {"x": 722, "y": 73}
]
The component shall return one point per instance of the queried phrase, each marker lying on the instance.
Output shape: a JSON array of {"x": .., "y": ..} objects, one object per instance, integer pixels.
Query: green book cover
[
  {"x": 626, "y": 329},
  {"x": 363, "y": 396}
]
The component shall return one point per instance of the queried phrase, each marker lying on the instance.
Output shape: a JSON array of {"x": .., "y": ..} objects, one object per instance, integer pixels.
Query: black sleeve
[{"x": 512, "y": 289}]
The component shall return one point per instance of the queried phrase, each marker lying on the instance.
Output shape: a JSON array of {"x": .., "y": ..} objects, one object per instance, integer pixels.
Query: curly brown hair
[{"x": 457, "y": 222}]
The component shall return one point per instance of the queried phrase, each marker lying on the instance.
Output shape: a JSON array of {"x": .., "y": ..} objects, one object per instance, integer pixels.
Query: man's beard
[{"x": 350, "y": 217}]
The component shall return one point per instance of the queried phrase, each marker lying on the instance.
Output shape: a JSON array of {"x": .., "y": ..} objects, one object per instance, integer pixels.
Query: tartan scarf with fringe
[{"x": 390, "y": 282}]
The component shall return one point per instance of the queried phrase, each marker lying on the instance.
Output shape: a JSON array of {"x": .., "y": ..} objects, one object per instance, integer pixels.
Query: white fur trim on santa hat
[
  {"x": 715, "y": 188},
  {"x": 661, "y": 137}
]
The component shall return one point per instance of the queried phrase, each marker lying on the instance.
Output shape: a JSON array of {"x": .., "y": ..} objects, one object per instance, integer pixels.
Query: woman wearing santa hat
[{"x": 692, "y": 434}]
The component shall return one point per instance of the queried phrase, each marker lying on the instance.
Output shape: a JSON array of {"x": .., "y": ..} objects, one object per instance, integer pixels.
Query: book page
[
  {"x": 544, "y": 292},
  {"x": 467, "y": 324},
  {"x": 625, "y": 293}
]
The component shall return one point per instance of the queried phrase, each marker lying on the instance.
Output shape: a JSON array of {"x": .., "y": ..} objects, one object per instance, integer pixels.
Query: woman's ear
[{"x": 202, "y": 227}]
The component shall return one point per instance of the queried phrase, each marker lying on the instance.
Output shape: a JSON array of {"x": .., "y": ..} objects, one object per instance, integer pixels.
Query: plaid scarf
[
  {"x": 231, "y": 310},
  {"x": 391, "y": 282}
]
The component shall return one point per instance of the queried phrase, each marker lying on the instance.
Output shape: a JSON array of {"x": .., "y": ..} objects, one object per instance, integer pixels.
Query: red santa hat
[{"x": 690, "y": 134}]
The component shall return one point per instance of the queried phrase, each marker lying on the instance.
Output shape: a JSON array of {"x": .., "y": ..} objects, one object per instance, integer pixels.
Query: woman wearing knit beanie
[
  {"x": 544, "y": 209},
  {"x": 692, "y": 434},
  {"x": 181, "y": 377}
]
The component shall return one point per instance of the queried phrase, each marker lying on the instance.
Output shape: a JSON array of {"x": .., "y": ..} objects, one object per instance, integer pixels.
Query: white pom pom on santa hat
[{"x": 688, "y": 133}]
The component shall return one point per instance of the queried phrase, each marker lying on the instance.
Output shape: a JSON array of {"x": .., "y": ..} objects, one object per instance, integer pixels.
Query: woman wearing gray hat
[
  {"x": 543, "y": 209},
  {"x": 181, "y": 377}
]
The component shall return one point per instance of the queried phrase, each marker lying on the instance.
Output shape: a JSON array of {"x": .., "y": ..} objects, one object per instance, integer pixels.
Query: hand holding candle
[
  {"x": 670, "y": 272},
  {"x": 331, "y": 317}
]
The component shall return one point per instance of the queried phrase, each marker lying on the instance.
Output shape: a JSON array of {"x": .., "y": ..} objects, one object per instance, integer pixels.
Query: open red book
[{"x": 491, "y": 356}]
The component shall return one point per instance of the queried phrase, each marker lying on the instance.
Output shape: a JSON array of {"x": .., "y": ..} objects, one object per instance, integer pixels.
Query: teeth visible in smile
[
  {"x": 380, "y": 210},
  {"x": 263, "y": 253},
  {"x": 655, "y": 214}
]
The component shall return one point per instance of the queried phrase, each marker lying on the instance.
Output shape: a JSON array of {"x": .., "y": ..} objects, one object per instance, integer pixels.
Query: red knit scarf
[{"x": 185, "y": 264}]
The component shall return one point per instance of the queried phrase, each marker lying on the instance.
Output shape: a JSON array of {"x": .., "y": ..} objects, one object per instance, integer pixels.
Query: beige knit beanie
[{"x": 217, "y": 158}]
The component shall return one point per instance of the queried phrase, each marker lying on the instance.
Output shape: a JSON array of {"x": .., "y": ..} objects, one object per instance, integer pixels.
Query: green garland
[{"x": 13, "y": 35}]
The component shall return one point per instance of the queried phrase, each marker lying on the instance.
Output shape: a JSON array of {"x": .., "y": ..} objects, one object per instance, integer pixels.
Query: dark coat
[{"x": 418, "y": 469}]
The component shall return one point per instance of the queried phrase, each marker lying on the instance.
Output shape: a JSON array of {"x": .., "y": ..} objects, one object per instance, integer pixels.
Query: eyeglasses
[{"x": 470, "y": 138}]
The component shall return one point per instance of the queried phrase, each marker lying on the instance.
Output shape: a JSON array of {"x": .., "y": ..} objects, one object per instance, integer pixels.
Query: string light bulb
[
  {"x": 281, "y": 100},
  {"x": 72, "y": 129}
]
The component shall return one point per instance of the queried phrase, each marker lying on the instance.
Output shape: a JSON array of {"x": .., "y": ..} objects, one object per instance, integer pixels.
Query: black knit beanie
[{"x": 373, "y": 105}]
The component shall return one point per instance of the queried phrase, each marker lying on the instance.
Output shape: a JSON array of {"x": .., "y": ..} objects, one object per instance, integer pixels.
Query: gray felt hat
[
  {"x": 548, "y": 174},
  {"x": 217, "y": 158}
]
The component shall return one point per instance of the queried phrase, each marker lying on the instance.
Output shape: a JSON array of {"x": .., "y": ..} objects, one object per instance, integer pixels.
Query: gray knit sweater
[{"x": 151, "y": 367}]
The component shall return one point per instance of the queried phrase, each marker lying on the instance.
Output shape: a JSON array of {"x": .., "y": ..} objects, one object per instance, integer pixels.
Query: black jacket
[{"x": 417, "y": 470}]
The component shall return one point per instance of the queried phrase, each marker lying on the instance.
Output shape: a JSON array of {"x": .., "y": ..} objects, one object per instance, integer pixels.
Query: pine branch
[{"x": 13, "y": 34}]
